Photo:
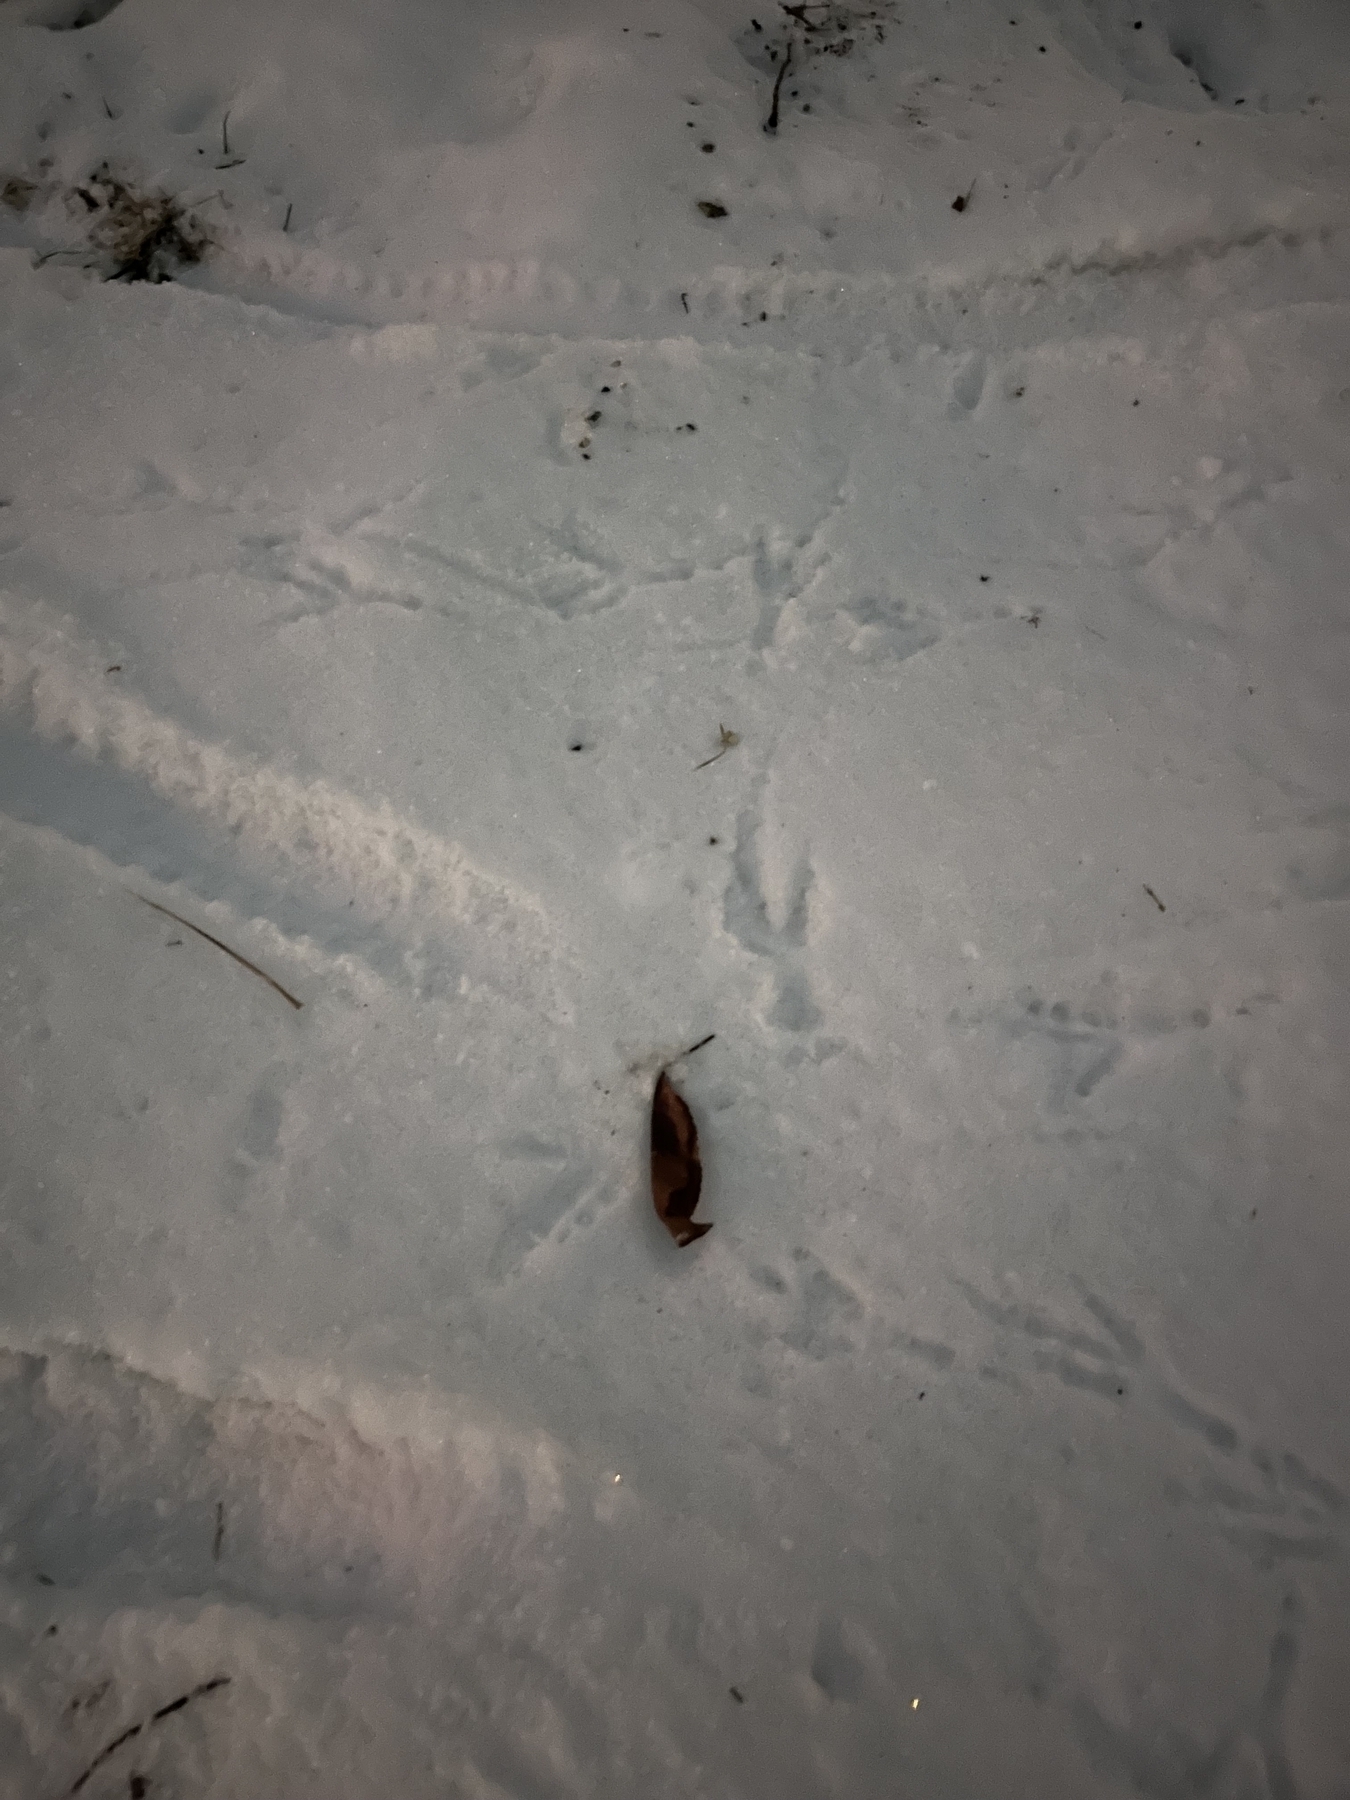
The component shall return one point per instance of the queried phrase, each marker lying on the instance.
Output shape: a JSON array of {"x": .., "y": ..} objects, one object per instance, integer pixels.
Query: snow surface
[{"x": 368, "y": 595}]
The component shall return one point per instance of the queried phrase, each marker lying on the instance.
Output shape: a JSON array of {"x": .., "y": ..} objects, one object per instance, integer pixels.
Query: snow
[{"x": 370, "y": 591}]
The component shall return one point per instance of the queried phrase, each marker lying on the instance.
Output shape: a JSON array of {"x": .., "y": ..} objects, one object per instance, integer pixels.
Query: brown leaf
[{"x": 677, "y": 1169}]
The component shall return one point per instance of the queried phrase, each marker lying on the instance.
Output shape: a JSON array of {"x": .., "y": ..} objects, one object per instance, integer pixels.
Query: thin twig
[
  {"x": 132, "y": 1731},
  {"x": 243, "y": 961},
  {"x": 698, "y": 1046},
  {"x": 771, "y": 123},
  {"x": 218, "y": 1541},
  {"x": 286, "y": 222},
  {"x": 225, "y": 134},
  {"x": 1154, "y": 898},
  {"x": 730, "y": 739}
]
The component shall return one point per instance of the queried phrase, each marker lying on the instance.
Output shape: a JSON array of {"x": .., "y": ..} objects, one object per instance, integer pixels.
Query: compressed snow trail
[{"x": 375, "y": 596}]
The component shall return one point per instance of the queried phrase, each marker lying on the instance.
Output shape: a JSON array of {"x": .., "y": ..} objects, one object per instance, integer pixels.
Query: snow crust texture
[{"x": 550, "y": 557}]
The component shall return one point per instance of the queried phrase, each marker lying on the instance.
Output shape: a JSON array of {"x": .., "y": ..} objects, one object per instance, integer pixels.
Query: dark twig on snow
[
  {"x": 730, "y": 739},
  {"x": 225, "y": 135},
  {"x": 243, "y": 961},
  {"x": 698, "y": 1046},
  {"x": 771, "y": 123},
  {"x": 134, "y": 1731}
]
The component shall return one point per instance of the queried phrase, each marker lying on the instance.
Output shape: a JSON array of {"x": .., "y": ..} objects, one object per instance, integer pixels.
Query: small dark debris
[
  {"x": 684, "y": 301},
  {"x": 1018, "y": 392},
  {"x": 712, "y": 209},
  {"x": 707, "y": 149},
  {"x": 147, "y": 234},
  {"x": 962, "y": 201},
  {"x": 45, "y": 1581},
  {"x": 51, "y": 1631},
  {"x": 218, "y": 1537},
  {"x": 1034, "y": 620},
  {"x": 1154, "y": 898},
  {"x": 764, "y": 318},
  {"x": 139, "y": 1787},
  {"x": 713, "y": 840},
  {"x": 691, "y": 427},
  {"x": 593, "y": 418},
  {"x": 984, "y": 578},
  {"x": 575, "y": 747},
  {"x": 286, "y": 222},
  {"x": 113, "y": 669},
  {"x": 737, "y": 1696},
  {"x": 174, "y": 944},
  {"x": 604, "y": 390}
]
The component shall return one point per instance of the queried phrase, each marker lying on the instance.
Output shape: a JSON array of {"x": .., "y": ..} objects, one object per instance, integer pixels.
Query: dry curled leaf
[{"x": 677, "y": 1169}]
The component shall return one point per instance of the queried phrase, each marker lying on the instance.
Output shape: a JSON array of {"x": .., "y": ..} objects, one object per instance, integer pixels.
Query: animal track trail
[
  {"x": 564, "y": 1200},
  {"x": 1269, "y": 1506},
  {"x": 1078, "y": 146},
  {"x": 887, "y": 629},
  {"x": 1080, "y": 1050},
  {"x": 814, "y": 1312},
  {"x": 1067, "y": 1051},
  {"x": 967, "y": 386},
  {"x": 775, "y": 926}
]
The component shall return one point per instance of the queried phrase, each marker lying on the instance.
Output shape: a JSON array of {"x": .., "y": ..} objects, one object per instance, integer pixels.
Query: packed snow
[{"x": 551, "y": 529}]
